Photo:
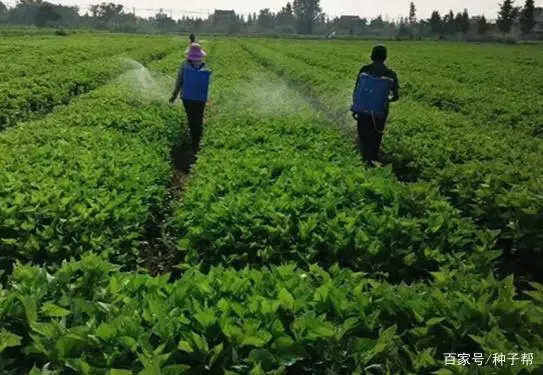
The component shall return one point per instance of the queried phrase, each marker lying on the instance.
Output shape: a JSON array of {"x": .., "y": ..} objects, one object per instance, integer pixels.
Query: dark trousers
[
  {"x": 370, "y": 134},
  {"x": 195, "y": 114}
]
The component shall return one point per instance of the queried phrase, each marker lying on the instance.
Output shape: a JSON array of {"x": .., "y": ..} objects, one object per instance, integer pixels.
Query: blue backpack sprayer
[
  {"x": 371, "y": 95},
  {"x": 196, "y": 84}
]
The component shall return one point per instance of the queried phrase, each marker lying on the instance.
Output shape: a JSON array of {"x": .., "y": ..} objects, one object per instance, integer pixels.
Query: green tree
[
  {"x": 436, "y": 23},
  {"x": 3, "y": 9},
  {"x": 285, "y": 17},
  {"x": 464, "y": 23},
  {"x": 458, "y": 19},
  {"x": 449, "y": 23},
  {"x": 506, "y": 16},
  {"x": 46, "y": 14},
  {"x": 527, "y": 17},
  {"x": 482, "y": 25},
  {"x": 377, "y": 23},
  {"x": 412, "y": 18},
  {"x": 163, "y": 22},
  {"x": 265, "y": 19},
  {"x": 307, "y": 13},
  {"x": 403, "y": 28},
  {"x": 412, "y": 13}
]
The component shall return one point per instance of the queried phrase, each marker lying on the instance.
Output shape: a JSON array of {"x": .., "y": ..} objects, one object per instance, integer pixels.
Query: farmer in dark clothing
[
  {"x": 192, "y": 38},
  {"x": 371, "y": 126},
  {"x": 193, "y": 108}
]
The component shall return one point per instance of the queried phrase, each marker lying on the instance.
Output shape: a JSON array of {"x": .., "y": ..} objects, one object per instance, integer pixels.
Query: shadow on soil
[{"x": 158, "y": 253}]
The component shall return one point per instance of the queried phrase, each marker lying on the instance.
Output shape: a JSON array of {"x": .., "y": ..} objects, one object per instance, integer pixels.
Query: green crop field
[{"x": 277, "y": 252}]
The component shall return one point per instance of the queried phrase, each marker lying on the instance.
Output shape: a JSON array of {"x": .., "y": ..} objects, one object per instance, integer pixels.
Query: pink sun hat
[{"x": 195, "y": 53}]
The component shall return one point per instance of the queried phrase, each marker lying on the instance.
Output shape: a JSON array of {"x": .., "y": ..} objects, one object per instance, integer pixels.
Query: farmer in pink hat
[{"x": 193, "y": 72}]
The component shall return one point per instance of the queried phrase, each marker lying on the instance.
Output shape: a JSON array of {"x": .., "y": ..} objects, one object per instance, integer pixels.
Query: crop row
[
  {"x": 89, "y": 177},
  {"x": 92, "y": 319},
  {"x": 43, "y": 55},
  {"x": 450, "y": 83},
  {"x": 516, "y": 71},
  {"x": 28, "y": 98},
  {"x": 274, "y": 182},
  {"x": 25, "y": 32},
  {"x": 271, "y": 173},
  {"x": 490, "y": 176}
]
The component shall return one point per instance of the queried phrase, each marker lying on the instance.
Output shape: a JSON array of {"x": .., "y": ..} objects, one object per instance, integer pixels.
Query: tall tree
[
  {"x": 3, "y": 9},
  {"x": 436, "y": 24},
  {"x": 482, "y": 25},
  {"x": 412, "y": 18},
  {"x": 412, "y": 13},
  {"x": 46, "y": 13},
  {"x": 163, "y": 22},
  {"x": 403, "y": 28},
  {"x": 506, "y": 16},
  {"x": 307, "y": 13},
  {"x": 377, "y": 23},
  {"x": 465, "y": 24},
  {"x": 265, "y": 19},
  {"x": 285, "y": 16},
  {"x": 449, "y": 24},
  {"x": 458, "y": 19},
  {"x": 106, "y": 11},
  {"x": 527, "y": 17}
]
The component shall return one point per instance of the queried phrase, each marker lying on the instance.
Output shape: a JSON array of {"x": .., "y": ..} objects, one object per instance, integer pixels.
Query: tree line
[{"x": 298, "y": 17}]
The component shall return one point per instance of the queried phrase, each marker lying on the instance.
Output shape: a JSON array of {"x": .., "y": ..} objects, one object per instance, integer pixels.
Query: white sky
[{"x": 364, "y": 8}]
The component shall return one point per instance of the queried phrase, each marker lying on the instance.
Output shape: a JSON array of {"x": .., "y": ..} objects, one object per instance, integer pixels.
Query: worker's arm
[
  {"x": 395, "y": 90},
  {"x": 178, "y": 83}
]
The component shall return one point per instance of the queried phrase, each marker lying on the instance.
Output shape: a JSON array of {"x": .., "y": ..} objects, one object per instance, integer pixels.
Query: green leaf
[
  {"x": 440, "y": 277},
  {"x": 288, "y": 351},
  {"x": 286, "y": 299},
  {"x": 175, "y": 370},
  {"x": 8, "y": 340},
  {"x": 115, "y": 371},
  {"x": 434, "y": 321},
  {"x": 200, "y": 342},
  {"x": 253, "y": 341},
  {"x": 419, "y": 331},
  {"x": 215, "y": 353},
  {"x": 321, "y": 331},
  {"x": 45, "y": 329},
  {"x": 262, "y": 356},
  {"x": 106, "y": 331},
  {"x": 362, "y": 344},
  {"x": 54, "y": 311},
  {"x": 183, "y": 244},
  {"x": 31, "y": 311},
  {"x": 206, "y": 318},
  {"x": 154, "y": 369},
  {"x": 257, "y": 370},
  {"x": 185, "y": 346},
  {"x": 79, "y": 365}
]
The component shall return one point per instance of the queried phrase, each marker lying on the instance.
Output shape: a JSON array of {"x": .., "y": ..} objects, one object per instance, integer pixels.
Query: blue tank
[
  {"x": 371, "y": 95},
  {"x": 196, "y": 84}
]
